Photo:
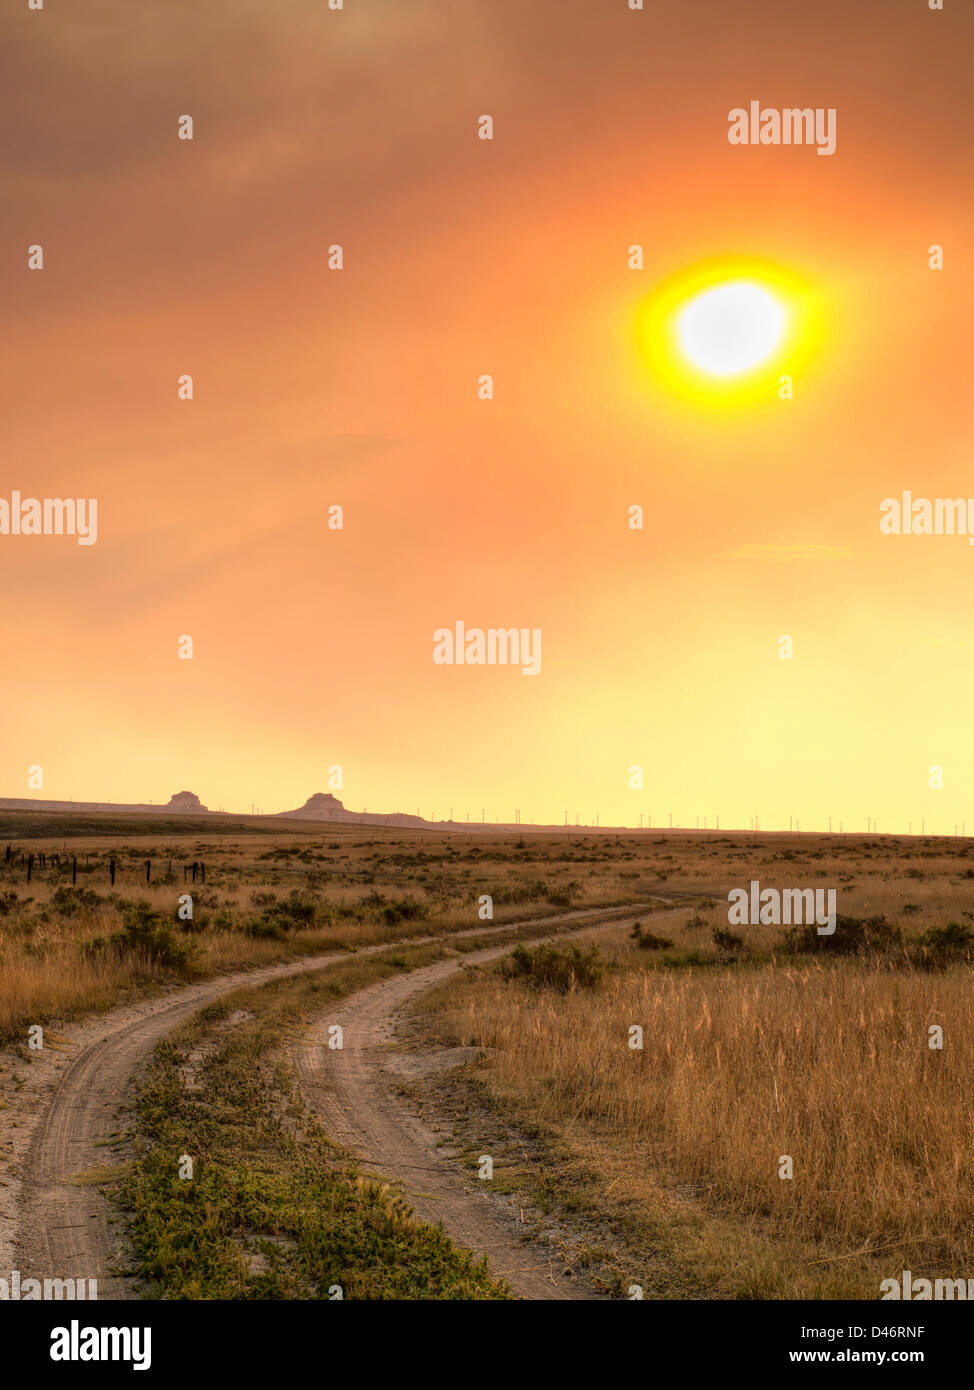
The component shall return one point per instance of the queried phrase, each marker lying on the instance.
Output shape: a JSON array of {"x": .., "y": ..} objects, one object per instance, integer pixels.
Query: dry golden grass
[
  {"x": 358, "y": 884},
  {"x": 45, "y": 971},
  {"x": 827, "y": 1062}
]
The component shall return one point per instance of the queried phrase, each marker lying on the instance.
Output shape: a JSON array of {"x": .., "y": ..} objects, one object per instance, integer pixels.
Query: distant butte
[
  {"x": 185, "y": 801},
  {"x": 324, "y": 806}
]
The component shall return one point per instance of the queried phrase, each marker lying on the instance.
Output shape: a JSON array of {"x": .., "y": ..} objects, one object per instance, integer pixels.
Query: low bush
[
  {"x": 565, "y": 969},
  {"x": 646, "y": 941}
]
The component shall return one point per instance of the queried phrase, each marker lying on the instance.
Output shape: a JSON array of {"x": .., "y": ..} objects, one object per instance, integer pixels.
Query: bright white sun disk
[{"x": 731, "y": 328}]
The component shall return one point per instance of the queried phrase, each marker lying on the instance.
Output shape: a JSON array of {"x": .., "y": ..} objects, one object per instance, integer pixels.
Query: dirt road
[
  {"x": 353, "y": 1091},
  {"x": 64, "y": 1116}
]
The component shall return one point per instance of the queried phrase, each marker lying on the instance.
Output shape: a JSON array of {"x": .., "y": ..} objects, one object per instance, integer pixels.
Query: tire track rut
[
  {"x": 65, "y": 1228},
  {"x": 354, "y": 1094}
]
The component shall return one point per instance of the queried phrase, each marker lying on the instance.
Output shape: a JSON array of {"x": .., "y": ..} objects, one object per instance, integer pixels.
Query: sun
[
  {"x": 732, "y": 328},
  {"x": 726, "y": 332}
]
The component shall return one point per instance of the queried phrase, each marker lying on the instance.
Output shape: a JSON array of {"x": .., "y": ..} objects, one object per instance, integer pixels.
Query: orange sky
[{"x": 359, "y": 387}]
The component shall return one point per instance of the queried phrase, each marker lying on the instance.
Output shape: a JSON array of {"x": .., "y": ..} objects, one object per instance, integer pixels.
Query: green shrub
[
  {"x": 954, "y": 936},
  {"x": 941, "y": 946},
  {"x": 852, "y": 936},
  {"x": 565, "y": 969},
  {"x": 283, "y": 916},
  {"x": 148, "y": 932},
  {"x": 646, "y": 941},
  {"x": 69, "y": 902}
]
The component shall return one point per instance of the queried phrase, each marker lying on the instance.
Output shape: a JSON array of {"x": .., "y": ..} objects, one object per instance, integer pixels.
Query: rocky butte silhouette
[{"x": 324, "y": 806}]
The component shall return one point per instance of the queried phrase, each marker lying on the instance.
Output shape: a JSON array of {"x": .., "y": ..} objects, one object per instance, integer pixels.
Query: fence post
[
  {"x": 30, "y": 866},
  {"x": 111, "y": 870},
  {"x": 74, "y": 871}
]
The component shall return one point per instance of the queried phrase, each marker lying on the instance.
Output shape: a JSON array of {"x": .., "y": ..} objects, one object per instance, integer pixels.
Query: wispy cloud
[{"x": 785, "y": 554}]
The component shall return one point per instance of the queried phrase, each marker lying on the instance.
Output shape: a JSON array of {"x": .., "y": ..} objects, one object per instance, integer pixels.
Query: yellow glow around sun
[{"x": 723, "y": 333}]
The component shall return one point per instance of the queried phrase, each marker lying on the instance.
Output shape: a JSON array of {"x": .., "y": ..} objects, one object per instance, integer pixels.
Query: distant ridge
[
  {"x": 322, "y": 806},
  {"x": 179, "y": 801}
]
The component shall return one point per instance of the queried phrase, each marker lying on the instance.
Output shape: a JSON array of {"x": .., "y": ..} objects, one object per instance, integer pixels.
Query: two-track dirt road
[
  {"x": 66, "y": 1229},
  {"x": 353, "y": 1090}
]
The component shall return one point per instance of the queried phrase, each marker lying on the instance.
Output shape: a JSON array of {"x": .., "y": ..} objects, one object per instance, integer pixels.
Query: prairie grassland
[
  {"x": 752, "y": 1052},
  {"x": 830, "y": 1065},
  {"x": 69, "y": 948},
  {"x": 752, "y": 1049},
  {"x": 282, "y": 890}
]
